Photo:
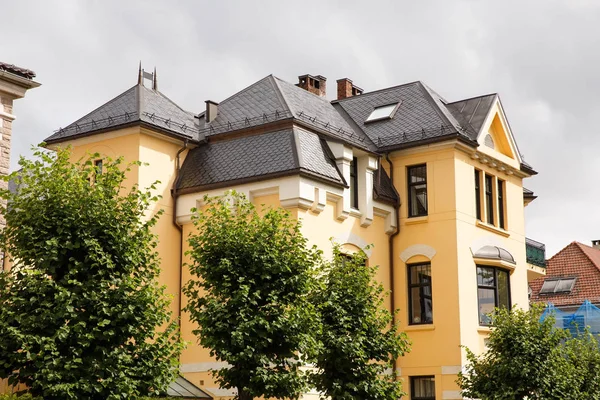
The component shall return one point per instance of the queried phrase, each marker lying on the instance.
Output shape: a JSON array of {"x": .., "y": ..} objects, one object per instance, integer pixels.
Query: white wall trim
[
  {"x": 418, "y": 250},
  {"x": 451, "y": 395},
  {"x": 355, "y": 240},
  {"x": 451, "y": 369},
  {"x": 202, "y": 367}
]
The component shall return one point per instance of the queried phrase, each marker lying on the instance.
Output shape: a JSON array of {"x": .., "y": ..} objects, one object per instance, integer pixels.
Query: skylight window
[
  {"x": 563, "y": 285},
  {"x": 383, "y": 112}
]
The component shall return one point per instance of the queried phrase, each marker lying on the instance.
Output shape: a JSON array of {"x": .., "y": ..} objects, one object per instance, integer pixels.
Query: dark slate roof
[
  {"x": 383, "y": 188},
  {"x": 474, "y": 110},
  {"x": 13, "y": 69},
  {"x": 272, "y": 99},
  {"x": 422, "y": 115},
  {"x": 186, "y": 389},
  {"x": 285, "y": 151},
  {"x": 137, "y": 104}
]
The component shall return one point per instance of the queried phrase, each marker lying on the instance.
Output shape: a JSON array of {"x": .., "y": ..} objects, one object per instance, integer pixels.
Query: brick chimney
[
  {"x": 596, "y": 244},
  {"x": 314, "y": 84},
  {"x": 345, "y": 88}
]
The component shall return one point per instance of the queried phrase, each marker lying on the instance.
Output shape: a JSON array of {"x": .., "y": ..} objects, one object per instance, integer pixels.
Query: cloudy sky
[{"x": 542, "y": 57}]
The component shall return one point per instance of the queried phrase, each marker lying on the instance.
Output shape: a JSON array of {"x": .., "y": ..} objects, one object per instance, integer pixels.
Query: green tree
[
  {"x": 253, "y": 272},
  {"x": 357, "y": 341},
  {"x": 529, "y": 358},
  {"x": 80, "y": 308}
]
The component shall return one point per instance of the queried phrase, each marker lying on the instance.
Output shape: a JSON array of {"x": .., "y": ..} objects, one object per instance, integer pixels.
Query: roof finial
[
  {"x": 140, "y": 73},
  {"x": 154, "y": 81}
]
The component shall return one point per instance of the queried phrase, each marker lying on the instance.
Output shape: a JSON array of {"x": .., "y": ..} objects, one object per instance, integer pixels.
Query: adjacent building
[
  {"x": 14, "y": 83},
  {"x": 435, "y": 185}
]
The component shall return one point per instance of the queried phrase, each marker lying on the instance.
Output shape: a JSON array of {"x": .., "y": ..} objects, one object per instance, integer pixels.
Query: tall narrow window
[
  {"x": 493, "y": 290},
  {"x": 478, "y": 194},
  {"x": 501, "y": 213},
  {"x": 422, "y": 388},
  {"x": 417, "y": 191},
  {"x": 489, "y": 199},
  {"x": 98, "y": 165},
  {"x": 354, "y": 183},
  {"x": 420, "y": 298}
]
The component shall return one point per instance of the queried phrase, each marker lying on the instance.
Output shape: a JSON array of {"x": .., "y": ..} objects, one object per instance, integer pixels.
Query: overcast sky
[{"x": 542, "y": 57}]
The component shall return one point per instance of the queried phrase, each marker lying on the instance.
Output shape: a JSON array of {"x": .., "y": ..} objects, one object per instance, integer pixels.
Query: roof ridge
[
  {"x": 437, "y": 108},
  {"x": 103, "y": 104},
  {"x": 475, "y": 97},
  {"x": 245, "y": 89},
  {"x": 280, "y": 93},
  {"x": 375, "y": 91},
  {"x": 164, "y": 96},
  {"x": 584, "y": 251}
]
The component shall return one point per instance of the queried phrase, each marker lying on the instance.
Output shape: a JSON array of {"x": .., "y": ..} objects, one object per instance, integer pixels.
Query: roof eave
[
  {"x": 142, "y": 124},
  {"x": 264, "y": 177},
  {"x": 417, "y": 143}
]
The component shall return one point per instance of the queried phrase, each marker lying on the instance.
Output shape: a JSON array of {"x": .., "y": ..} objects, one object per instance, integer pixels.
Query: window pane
[
  {"x": 503, "y": 289},
  {"x": 489, "y": 199},
  {"x": 487, "y": 303},
  {"x": 353, "y": 184},
  {"x": 382, "y": 112},
  {"x": 477, "y": 195},
  {"x": 420, "y": 296},
  {"x": 564, "y": 285},
  {"x": 485, "y": 276},
  {"x": 418, "y": 174},
  {"x": 418, "y": 195},
  {"x": 423, "y": 388},
  {"x": 501, "y": 203},
  {"x": 548, "y": 286}
]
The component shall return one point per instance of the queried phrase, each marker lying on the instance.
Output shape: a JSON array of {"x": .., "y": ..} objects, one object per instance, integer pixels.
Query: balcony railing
[{"x": 536, "y": 252}]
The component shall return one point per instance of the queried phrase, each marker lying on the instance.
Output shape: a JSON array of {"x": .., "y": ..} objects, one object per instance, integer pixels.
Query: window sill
[
  {"x": 422, "y": 327},
  {"x": 484, "y": 329},
  {"x": 492, "y": 228},
  {"x": 355, "y": 213},
  {"x": 417, "y": 220}
]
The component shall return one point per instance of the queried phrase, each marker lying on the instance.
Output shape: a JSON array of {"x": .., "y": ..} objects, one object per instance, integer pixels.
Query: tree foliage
[
  {"x": 80, "y": 308},
  {"x": 357, "y": 341},
  {"x": 253, "y": 272},
  {"x": 529, "y": 358}
]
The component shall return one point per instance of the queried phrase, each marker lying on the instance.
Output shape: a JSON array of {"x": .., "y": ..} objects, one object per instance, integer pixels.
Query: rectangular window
[
  {"x": 98, "y": 165},
  {"x": 417, "y": 191},
  {"x": 422, "y": 388},
  {"x": 420, "y": 298},
  {"x": 489, "y": 199},
  {"x": 354, "y": 183},
  {"x": 501, "y": 214},
  {"x": 493, "y": 291},
  {"x": 478, "y": 194}
]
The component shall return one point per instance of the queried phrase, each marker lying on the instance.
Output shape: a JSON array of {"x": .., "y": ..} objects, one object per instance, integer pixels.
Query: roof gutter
[
  {"x": 391, "y": 250},
  {"x": 179, "y": 227}
]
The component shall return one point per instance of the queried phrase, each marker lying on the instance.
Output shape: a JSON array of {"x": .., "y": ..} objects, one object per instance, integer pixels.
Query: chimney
[
  {"x": 212, "y": 110},
  {"x": 314, "y": 84},
  {"x": 345, "y": 88},
  {"x": 596, "y": 244}
]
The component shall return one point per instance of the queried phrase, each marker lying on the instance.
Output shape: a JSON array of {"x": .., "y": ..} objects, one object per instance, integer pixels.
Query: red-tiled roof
[
  {"x": 576, "y": 260},
  {"x": 23, "y": 72}
]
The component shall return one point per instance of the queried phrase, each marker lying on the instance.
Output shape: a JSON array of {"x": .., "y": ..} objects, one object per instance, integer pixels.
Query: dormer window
[
  {"x": 383, "y": 112},
  {"x": 554, "y": 286}
]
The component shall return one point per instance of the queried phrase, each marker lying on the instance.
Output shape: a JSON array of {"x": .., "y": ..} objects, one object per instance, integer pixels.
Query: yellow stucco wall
[{"x": 446, "y": 237}]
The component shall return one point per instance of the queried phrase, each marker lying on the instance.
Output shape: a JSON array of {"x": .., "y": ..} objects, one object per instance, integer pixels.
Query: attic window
[
  {"x": 562, "y": 285},
  {"x": 383, "y": 112}
]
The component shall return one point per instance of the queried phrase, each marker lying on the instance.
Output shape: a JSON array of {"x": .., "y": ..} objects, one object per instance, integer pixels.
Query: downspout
[
  {"x": 391, "y": 249},
  {"x": 179, "y": 228}
]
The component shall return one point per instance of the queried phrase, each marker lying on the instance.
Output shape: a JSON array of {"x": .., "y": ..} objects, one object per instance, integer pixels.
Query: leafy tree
[
  {"x": 357, "y": 341},
  {"x": 254, "y": 271},
  {"x": 80, "y": 308},
  {"x": 529, "y": 358}
]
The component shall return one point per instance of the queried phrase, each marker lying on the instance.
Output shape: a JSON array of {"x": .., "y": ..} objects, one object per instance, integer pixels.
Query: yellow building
[{"x": 435, "y": 186}]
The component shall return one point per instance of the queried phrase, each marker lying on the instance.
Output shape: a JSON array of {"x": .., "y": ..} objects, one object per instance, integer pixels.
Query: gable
[
  {"x": 495, "y": 137},
  {"x": 571, "y": 262}
]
